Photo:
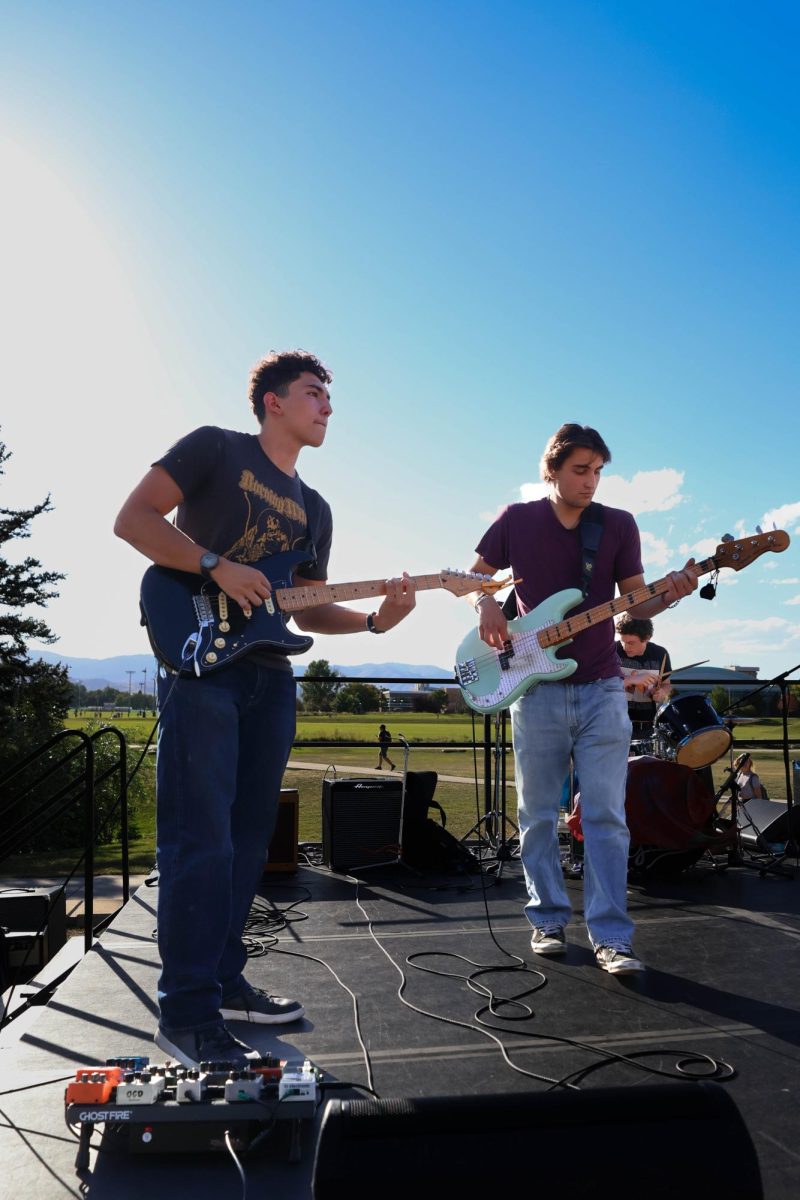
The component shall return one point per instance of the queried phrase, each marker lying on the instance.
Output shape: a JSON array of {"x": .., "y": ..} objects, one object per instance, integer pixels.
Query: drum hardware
[
  {"x": 494, "y": 820},
  {"x": 688, "y": 731}
]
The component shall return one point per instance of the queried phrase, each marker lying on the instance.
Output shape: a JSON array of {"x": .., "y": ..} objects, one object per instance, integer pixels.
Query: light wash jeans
[
  {"x": 223, "y": 744},
  {"x": 589, "y": 721}
]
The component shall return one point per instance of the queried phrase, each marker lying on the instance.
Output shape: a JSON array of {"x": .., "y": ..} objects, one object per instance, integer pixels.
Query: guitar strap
[
  {"x": 312, "y": 550},
  {"x": 591, "y": 531},
  {"x": 591, "y": 528}
]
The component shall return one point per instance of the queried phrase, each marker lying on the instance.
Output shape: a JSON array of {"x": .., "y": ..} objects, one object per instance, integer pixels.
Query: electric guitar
[
  {"x": 492, "y": 679},
  {"x": 194, "y": 627}
]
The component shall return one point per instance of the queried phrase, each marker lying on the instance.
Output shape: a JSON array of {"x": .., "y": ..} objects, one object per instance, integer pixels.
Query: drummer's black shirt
[{"x": 642, "y": 711}]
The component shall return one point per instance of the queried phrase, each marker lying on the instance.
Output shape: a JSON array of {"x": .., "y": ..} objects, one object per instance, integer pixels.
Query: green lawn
[{"x": 461, "y": 798}]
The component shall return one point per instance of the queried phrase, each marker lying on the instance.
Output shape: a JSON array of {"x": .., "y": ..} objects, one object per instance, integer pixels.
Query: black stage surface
[{"x": 722, "y": 980}]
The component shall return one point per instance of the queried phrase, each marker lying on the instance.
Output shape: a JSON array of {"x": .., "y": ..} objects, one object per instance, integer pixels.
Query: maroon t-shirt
[{"x": 529, "y": 539}]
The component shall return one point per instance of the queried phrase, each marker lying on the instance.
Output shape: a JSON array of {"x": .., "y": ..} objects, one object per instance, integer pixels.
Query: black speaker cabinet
[
  {"x": 772, "y": 822},
  {"x": 282, "y": 855},
  {"x": 673, "y": 1139},
  {"x": 36, "y": 910},
  {"x": 360, "y": 821}
]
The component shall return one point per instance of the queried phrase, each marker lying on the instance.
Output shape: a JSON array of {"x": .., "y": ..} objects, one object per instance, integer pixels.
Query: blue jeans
[
  {"x": 223, "y": 745},
  {"x": 589, "y": 721}
]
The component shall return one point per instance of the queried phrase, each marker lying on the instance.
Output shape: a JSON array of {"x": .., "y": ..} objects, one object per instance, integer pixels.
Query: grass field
[{"x": 459, "y": 794}]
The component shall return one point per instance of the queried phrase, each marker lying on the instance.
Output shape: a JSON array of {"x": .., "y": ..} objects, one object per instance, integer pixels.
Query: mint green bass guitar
[{"x": 491, "y": 679}]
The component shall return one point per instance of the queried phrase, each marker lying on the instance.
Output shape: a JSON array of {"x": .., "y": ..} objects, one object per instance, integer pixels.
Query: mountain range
[{"x": 95, "y": 673}]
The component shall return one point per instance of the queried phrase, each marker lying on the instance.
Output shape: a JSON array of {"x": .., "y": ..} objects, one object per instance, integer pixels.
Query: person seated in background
[
  {"x": 644, "y": 665},
  {"x": 748, "y": 783}
]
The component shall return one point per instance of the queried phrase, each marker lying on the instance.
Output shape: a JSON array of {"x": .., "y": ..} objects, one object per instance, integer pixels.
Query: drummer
[{"x": 643, "y": 664}]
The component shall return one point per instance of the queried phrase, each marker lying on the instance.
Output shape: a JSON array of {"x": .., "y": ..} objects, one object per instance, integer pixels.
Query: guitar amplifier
[
  {"x": 282, "y": 854},
  {"x": 360, "y": 821},
  {"x": 36, "y": 911}
]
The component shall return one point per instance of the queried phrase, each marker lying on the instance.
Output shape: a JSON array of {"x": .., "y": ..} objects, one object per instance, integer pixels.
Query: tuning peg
[
  {"x": 727, "y": 537},
  {"x": 759, "y": 529}
]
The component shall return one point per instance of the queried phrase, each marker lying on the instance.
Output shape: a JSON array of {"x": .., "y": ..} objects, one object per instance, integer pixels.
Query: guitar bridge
[
  {"x": 203, "y": 609},
  {"x": 466, "y": 672}
]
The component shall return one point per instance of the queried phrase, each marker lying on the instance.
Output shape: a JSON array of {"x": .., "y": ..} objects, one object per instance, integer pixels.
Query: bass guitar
[
  {"x": 195, "y": 628},
  {"x": 492, "y": 679}
]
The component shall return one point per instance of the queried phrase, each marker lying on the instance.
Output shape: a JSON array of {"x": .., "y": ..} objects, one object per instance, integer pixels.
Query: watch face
[{"x": 208, "y": 561}]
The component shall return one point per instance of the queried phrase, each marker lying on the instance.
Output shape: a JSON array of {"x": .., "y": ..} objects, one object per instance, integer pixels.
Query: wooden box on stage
[{"x": 283, "y": 847}]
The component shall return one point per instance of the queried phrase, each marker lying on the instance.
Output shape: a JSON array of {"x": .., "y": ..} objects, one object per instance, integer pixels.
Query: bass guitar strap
[{"x": 591, "y": 531}]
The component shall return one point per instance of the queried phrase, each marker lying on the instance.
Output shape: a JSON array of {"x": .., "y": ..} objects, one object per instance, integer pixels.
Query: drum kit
[
  {"x": 689, "y": 731},
  {"x": 669, "y": 771}
]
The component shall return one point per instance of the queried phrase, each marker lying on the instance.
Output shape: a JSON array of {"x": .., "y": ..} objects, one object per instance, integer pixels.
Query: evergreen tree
[{"x": 34, "y": 696}]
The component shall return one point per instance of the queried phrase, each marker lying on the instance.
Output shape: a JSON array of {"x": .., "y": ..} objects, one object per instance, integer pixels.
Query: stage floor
[{"x": 721, "y": 980}]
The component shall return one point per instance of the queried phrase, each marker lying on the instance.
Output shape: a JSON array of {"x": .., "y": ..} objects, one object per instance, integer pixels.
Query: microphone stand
[
  {"x": 398, "y": 860},
  {"x": 769, "y": 862},
  {"x": 791, "y": 849}
]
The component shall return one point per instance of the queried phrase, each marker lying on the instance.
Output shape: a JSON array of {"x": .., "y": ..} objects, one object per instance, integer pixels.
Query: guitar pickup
[
  {"x": 505, "y": 656},
  {"x": 466, "y": 672}
]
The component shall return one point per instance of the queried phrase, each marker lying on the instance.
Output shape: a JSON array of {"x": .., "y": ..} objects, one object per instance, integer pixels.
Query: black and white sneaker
[
  {"x": 617, "y": 960},
  {"x": 254, "y": 1004},
  {"x": 210, "y": 1045},
  {"x": 549, "y": 940}
]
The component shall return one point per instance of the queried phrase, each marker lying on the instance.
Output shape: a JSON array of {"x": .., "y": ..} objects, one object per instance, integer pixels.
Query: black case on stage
[
  {"x": 772, "y": 822},
  {"x": 360, "y": 821}
]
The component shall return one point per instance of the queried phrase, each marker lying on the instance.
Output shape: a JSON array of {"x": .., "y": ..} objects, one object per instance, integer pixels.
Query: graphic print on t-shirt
[{"x": 273, "y": 523}]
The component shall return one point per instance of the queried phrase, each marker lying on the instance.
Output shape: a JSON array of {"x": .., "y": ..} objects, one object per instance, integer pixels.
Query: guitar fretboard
[
  {"x": 553, "y": 635},
  {"x": 297, "y": 598}
]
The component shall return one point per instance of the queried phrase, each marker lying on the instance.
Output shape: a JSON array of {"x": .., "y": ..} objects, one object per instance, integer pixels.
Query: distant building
[{"x": 739, "y": 682}]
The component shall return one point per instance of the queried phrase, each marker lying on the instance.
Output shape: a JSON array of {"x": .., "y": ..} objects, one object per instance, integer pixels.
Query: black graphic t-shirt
[
  {"x": 642, "y": 711},
  {"x": 240, "y": 505}
]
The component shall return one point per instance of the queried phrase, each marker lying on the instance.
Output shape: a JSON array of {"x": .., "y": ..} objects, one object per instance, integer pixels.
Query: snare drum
[{"x": 690, "y": 732}]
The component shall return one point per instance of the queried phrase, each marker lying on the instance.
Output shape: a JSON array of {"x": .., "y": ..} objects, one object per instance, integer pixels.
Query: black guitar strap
[
  {"x": 591, "y": 528},
  {"x": 312, "y": 550}
]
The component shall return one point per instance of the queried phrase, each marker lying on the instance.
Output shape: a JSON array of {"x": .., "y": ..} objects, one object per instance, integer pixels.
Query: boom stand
[
  {"x": 792, "y": 848},
  {"x": 769, "y": 862},
  {"x": 398, "y": 860},
  {"x": 495, "y": 819}
]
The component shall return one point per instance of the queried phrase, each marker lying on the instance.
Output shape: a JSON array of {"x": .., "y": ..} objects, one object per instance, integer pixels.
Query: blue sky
[{"x": 487, "y": 218}]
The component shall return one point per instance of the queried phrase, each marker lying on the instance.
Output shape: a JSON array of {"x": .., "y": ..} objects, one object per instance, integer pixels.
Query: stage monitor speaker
[
  {"x": 360, "y": 821},
  {"x": 774, "y": 823},
  {"x": 282, "y": 854},
  {"x": 36, "y": 910},
  {"x": 634, "y": 1143}
]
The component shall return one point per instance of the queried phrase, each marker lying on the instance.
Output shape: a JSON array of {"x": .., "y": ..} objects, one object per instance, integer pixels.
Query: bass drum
[
  {"x": 688, "y": 731},
  {"x": 671, "y": 817}
]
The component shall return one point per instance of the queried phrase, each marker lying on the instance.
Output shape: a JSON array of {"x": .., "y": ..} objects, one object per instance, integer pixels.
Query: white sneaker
[
  {"x": 549, "y": 940},
  {"x": 617, "y": 960}
]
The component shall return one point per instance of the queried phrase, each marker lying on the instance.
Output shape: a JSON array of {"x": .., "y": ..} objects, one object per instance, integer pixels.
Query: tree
[
  {"x": 34, "y": 696},
  {"x": 357, "y": 698},
  {"x": 430, "y": 702},
  {"x": 319, "y": 697}
]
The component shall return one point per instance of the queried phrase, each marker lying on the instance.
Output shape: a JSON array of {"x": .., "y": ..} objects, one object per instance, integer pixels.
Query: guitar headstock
[
  {"x": 740, "y": 552},
  {"x": 461, "y": 583}
]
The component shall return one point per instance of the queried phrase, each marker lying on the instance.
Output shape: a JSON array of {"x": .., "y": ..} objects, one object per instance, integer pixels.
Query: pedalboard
[{"x": 156, "y": 1109}]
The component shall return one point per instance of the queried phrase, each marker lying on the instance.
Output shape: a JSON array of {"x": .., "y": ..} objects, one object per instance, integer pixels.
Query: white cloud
[
  {"x": 655, "y": 551},
  {"x": 784, "y": 517},
  {"x": 647, "y": 491},
  {"x": 794, "y": 600},
  {"x": 532, "y": 491},
  {"x": 780, "y": 582}
]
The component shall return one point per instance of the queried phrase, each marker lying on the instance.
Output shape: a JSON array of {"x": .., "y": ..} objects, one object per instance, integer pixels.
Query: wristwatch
[{"x": 208, "y": 562}]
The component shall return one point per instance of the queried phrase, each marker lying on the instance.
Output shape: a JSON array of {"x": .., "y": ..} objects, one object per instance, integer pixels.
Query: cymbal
[{"x": 739, "y": 720}]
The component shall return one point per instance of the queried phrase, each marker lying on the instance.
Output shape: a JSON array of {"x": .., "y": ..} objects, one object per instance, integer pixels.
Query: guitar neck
[
  {"x": 553, "y": 635},
  {"x": 312, "y": 595}
]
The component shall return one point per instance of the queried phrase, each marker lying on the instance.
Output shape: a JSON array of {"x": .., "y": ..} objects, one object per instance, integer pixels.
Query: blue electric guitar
[
  {"x": 195, "y": 628},
  {"x": 492, "y": 679}
]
